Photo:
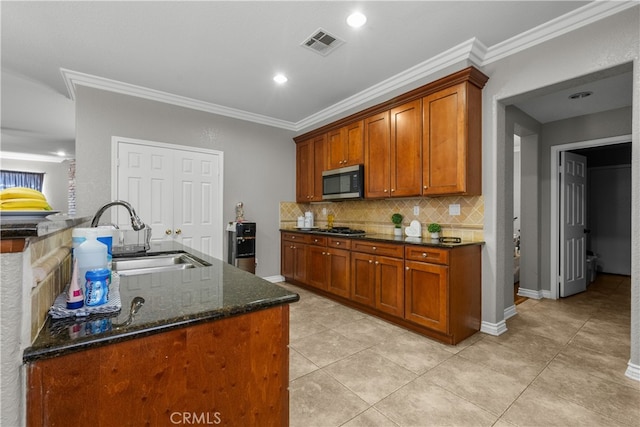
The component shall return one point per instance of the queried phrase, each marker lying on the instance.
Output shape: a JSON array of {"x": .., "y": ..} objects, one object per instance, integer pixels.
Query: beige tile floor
[{"x": 561, "y": 363}]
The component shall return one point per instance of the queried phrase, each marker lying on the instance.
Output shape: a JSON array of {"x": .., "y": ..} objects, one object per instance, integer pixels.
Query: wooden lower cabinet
[
  {"x": 427, "y": 295},
  {"x": 431, "y": 290},
  {"x": 229, "y": 372},
  {"x": 377, "y": 281},
  {"x": 317, "y": 267},
  {"x": 339, "y": 274},
  {"x": 363, "y": 278}
]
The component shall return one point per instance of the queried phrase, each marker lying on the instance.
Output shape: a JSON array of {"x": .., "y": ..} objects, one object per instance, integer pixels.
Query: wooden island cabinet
[
  {"x": 228, "y": 372},
  {"x": 432, "y": 289}
]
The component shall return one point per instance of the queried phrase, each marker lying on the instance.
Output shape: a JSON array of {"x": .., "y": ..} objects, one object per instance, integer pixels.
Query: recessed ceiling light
[
  {"x": 356, "y": 20},
  {"x": 280, "y": 78},
  {"x": 579, "y": 95}
]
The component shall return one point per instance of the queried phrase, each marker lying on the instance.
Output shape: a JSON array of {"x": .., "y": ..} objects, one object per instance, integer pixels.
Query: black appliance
[
  {"x": 341, "y": 231},
  {"x": 242, "y": 246},
  {"x": 343, "y": 183}
]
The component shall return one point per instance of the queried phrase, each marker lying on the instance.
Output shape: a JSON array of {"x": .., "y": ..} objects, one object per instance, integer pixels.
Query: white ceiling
[{"x": 221, "y": 56}]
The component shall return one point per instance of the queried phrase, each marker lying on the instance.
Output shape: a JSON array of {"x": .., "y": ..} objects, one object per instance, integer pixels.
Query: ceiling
[{"x": 221, "y": 56}]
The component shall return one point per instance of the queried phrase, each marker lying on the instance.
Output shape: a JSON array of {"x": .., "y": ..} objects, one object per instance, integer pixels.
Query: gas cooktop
[{"x": 340, "y": 231}]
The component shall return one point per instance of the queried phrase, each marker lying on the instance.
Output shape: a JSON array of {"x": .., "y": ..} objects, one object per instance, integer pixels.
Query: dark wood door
[
  {"x": 317, "y": 267},
  {"x": 427, "y": 295},
  {"x": 363, "y": 276},
  {"x": 354, "y": 140},
  {"x": 390, "y": 285},
  {"x": 377, "y": 150},
  {"x": 287, "y": 259},
  {"x": 406, "y": 150},
  {"x": 304, "y": 171},
  {"x": 339, "y": 272},
  {"x": 444, "y": 141},
  {"x": 319, "y": 165},
  {"x": 300, "y": 262}
]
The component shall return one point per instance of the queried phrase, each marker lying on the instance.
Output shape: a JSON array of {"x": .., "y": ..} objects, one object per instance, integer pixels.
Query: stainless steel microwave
[{"x": 343, "y": 183}]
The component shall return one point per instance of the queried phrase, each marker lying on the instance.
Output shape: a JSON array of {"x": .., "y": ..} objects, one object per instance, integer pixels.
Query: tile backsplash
[{"x": 374, "y": 216}]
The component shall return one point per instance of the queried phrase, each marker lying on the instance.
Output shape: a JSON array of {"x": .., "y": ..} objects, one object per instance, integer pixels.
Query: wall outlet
[
  {"x": 416, "y": 210},
  {"x": 324, "y": 211},
  {"x": 454, "y": 210}
]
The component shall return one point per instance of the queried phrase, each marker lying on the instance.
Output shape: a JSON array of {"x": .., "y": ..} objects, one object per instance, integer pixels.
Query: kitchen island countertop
[{"x": 172, "y": 300}]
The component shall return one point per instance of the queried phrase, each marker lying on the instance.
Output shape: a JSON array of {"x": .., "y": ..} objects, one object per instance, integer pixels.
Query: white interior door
[
  {"x": 176, "y": 190},
  {"x": 573, "y": 250},
  {"x": 196, "y": 221},
  {"x": 145, "y": 181}
]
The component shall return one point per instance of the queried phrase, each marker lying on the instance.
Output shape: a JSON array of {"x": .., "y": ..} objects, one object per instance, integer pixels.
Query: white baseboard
[
  {"x": 547, "y": 294},
  {"x": 633, "y": 371},
  {"x": 274, "y": 279},
  {"x": 509, "y": 312},
  {"x": 530, "y": 293},
  {"x": 494, "y": 328}
]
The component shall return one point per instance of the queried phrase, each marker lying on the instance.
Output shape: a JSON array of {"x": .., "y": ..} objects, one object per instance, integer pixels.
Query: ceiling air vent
[{"x": 322, "y": 42}]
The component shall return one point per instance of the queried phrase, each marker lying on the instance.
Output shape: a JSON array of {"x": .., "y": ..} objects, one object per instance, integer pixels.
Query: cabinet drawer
[
  {"x": 317, "y": 240},
  {"x": 427, "y": 254},
  {"x": 375, "y": 248},
  {"x": 334, "y": 242},
  {"x": 296, "y": 237}
]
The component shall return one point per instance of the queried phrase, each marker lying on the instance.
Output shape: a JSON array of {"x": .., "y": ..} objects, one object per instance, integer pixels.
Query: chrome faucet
[{"x": 136, "y": 222}]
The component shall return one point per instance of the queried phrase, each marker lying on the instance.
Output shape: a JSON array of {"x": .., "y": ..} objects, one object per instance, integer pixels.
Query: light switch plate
[
  {"x": 454, "y": 210},
  {"x": 416, "y": 210}
]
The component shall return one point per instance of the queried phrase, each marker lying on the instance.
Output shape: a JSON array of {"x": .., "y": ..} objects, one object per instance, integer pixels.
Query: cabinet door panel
[
  {"x": 390, "y": 285},
  {"x": 336, "y": 149},
  {"x": 377, "y": 150},
  {"x": 287, "y": 259},
  {"x": 304, "y": 171},
  {"x": 300, "y": 262},
  {"x": 339, "y": 272},
  {"x": 317, "y": 267},
  {"x": 319, "y": 165},
  {"x": 362, "y": 279},
  {"x": 427, "y": 299},
  {"x": 444, "y": 139},
  {"x": 355, "y": 143},
  {"x": 406, "y": 150}
]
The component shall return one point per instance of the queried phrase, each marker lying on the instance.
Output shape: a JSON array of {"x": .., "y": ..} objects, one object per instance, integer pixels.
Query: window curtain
[{"x": 9, "y": 179}]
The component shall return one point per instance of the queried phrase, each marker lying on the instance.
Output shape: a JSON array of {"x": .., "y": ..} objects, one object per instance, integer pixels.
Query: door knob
[
  {"x": 167, "y": 231},
  {"x": 178, "y": 231}
]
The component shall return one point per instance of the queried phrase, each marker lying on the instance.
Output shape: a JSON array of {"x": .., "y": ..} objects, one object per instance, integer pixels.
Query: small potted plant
[
  {"x": 434, "y": 228},
  {"x": 396, "y": 218}
]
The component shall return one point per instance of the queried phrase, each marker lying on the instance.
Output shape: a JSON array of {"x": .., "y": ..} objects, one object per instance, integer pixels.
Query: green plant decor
[
  {"x": 396, "y": 218},
  {"x": 434, "y": 227}
]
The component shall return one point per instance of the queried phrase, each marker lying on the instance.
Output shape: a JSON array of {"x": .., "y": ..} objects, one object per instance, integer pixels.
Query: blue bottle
[{"x": 97, "y": 287}]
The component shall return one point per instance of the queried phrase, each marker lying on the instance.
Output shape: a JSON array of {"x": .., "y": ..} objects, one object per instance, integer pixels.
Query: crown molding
[
  {"x": 72, "y": 79},
  {"x": 473, "y": 51},
  {"x": 457, "y": 54},
  {"x": 564, "y": 24}
]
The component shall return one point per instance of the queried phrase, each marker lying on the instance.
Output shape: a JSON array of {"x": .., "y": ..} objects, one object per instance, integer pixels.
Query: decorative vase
[
  {"x": 397, "y": 231},
  {"x": 435, "y": 235}
]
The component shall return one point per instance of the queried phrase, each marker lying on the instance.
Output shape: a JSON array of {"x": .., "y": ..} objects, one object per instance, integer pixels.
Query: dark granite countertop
[
  {"x": 172, "y": 300},
  {"x": 389, "y": 238},
  {"x": 23, "y": 226}
]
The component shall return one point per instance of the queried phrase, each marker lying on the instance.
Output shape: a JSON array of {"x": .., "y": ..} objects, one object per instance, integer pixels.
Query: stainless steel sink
[{"x": 130, "y": 266}]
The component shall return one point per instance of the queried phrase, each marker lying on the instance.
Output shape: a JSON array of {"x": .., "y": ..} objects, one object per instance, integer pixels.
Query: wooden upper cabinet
[
  {"x": 304, "y": 171},
  {"x": 310, "y": 162},
  {"x": 345, "y": 146},
  {"x": 452, "y": 151},
  {"x": 406, "y": 150},
  {"x": 377, "y": 151}
]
